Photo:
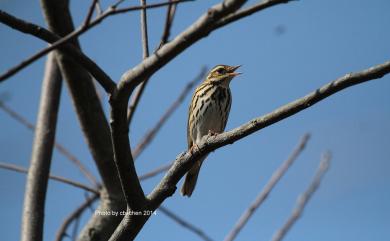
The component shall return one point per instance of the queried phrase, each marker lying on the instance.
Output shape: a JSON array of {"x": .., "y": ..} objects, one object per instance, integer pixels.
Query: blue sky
[{"x": 322, "y": 40}]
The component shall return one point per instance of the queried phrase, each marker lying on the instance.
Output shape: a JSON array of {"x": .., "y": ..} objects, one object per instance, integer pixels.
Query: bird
[{"x": 208, "y": 114}]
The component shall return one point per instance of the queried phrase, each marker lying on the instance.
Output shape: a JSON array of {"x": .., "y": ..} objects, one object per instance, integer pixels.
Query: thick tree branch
[
  {"x": 134, "y": 195},
  {"x": 184, "y": 162},
  {"x": 38, "y": 174},
  {"x": 278, "y": 174},
  {"x": 304, "y": 198},
  {"x": 149, "y": 136},
  {"x": 92, "y": 121},
  {"x": 60, "y": 148}
]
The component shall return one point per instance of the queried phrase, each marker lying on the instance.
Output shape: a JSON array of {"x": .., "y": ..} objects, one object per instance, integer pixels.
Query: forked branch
[{"x": 184, "y": 162}]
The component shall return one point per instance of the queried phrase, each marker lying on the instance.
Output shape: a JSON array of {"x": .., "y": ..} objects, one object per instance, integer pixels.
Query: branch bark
[
  {"x": 93, "y": 124},
  {"x": 184, "y": 162},
  {"x": 38, "y": 174}
]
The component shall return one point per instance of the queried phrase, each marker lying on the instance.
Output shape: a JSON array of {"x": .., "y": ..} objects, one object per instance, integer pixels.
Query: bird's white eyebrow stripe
[{"x": 217, "y": 67}]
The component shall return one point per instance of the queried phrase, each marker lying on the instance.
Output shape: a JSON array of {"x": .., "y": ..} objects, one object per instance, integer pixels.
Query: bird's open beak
[{"x": 232, "y": 69}]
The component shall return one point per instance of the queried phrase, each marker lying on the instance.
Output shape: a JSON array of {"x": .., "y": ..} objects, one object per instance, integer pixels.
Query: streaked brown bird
[{"x": 208, "y": 113}]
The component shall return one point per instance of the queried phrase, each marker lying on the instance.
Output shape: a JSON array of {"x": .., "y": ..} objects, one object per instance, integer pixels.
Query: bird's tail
[{"x": 191, "y": 178}]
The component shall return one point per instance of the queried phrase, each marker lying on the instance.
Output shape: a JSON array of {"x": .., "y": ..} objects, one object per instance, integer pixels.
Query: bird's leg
[
  {"x": 193, "y": 148},
  {"x": 213, "y": 133}
]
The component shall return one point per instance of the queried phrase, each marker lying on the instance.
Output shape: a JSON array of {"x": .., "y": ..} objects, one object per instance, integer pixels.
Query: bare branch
[
  {"x": 44, "y": 34},
  {"x": 185, "y": 224},
  {"x": 20, "y": 169},
  {"x": 38, "y": 175},
  {"x": 90, "y": 12},
  {"x": 304, "y": 198},
  {"x": 184, "y": 162},
  {"x": 155, "y": 172},
  {"x": 171, "y": 10},
  {"x": 60, "y": 148},
  {"x": 150, "y": 134},
  {"x": 16, "y": 116},
  {"x": 93, "y": 122},
  {"x": 99, "y": 8},
  {"x": 248, "y": 11},
  {"x": 74, "y": 215},
  {"x": 199, "y": 29},
  {"x": 276, "y": 176},
  {"x": 145, "y": 54},
  {"x": 103, "y": 79},
  {"x": 144, "y": 30}
]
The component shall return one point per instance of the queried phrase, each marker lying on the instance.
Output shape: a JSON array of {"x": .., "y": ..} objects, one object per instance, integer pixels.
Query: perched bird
[{"x": 208, "y": 113}]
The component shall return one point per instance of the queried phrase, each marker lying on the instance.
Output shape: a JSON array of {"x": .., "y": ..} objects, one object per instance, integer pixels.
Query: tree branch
[
  {"x": 61, "y": 233},
  {"x": 60, "y": 148},
  {"x": 155, "y": 172},
  {"x": 38, "y": 175},
  {"x": 278, "y": 174},
  {"x": 304, "y": 198},
  {"x": 56, "y": 41},
  {"x": 248, "y": 11},
  {"x": 209, "y": 143},
  {"x": 199, "y": 29},
  {"x": 20, "y": 169},
  {"x": 145, "y": 54},
  {"x": 102, "y": 78},
  {"x": 171, "y": 10},
  {"x": 185, "y": 224},
  {"x": 151, "y": 133},
  {"x": 92, "y": 121}
]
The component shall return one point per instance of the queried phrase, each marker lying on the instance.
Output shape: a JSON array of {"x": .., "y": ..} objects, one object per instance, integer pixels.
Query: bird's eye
[{"x": 221, "y": 71}]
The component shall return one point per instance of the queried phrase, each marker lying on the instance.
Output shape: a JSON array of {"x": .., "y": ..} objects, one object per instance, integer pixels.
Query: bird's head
[{"x": 222, "y": 74}]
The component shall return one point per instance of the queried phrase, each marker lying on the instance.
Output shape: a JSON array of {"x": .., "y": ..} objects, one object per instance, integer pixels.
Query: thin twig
[
  {"x": 20, "y": 169},
  {"x": 155, "y": 172},
  {"x": 99, "y": 8},
  {"x": 61, "y": 149},
  {"x": 248, "y": 11},
  {"x": 107, "y": 83},
  {"x": 185, "y": 224},
  {"x": 75, "y": 228},
  {"x": 145, "y": 54},
  {"x": 276, "y": 176},
  {"x": 61, "y": 233},
  {"x": 151, "y": 133},
  {"x": 171, "y": 10},
  {"x": 304, "y": 198},
  {"x": 90, "y": 13},
  {"x": 60, "y": 42}
]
